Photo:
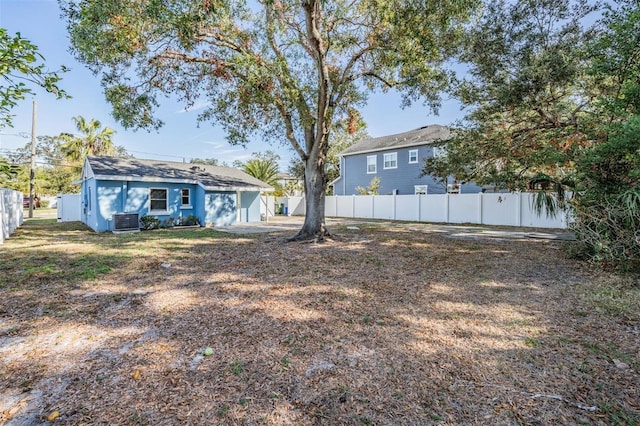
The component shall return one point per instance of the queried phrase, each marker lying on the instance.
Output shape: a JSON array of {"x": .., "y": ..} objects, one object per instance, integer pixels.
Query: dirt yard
[{"x": 382, "y": 325}]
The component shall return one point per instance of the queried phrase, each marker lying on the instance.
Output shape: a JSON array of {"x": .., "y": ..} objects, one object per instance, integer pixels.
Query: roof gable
[
  {"x": 426, "y": 135},
  {"x": 210, "y": 177}
]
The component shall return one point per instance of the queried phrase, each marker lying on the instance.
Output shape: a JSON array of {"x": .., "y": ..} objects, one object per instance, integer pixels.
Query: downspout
[
  {"x": 343, "y": 168},
  {"x": 239, "y": 207}
]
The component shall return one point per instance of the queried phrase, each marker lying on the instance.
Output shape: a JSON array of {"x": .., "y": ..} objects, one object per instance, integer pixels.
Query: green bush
[
  {"x": 607, "y": 208},
  {"x": 150, "y": 222},
  {"x": 190, "y": 220}
]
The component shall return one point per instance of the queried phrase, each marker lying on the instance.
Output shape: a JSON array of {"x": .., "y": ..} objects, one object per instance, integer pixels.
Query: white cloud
[{"x": 195, "y": 107}]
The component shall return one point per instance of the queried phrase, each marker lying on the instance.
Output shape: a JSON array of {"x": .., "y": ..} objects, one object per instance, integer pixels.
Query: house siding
[
  {"x": 401, "y": 179},
  {"x": 90, "y": 210},
  {"x": 220, "y": 208},
  {"x": 114, "y": 185},
  {"x": 102, "y": 199},
  {"x": 249, "y": 207}
]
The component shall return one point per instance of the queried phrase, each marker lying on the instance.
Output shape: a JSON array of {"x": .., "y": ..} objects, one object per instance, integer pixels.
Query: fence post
[
  {"x": 353, "y": 206},
  {"x": 519, "y": 209},
  {"x": 446, "y": 208},
  {"x": 394, "y": 205},
  {"x": 419, "y": 207},
  {"x": 480, "y": 221},
  {"x": 373, "y": 206}
]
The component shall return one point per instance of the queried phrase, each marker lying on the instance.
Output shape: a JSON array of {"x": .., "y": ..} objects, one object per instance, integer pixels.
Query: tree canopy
[
  {"x": 284, "y": 69},
  {"x": 553, "y": 105},
  {"x": 527, "y": 95},
  {"x": 22, "y": 66}
]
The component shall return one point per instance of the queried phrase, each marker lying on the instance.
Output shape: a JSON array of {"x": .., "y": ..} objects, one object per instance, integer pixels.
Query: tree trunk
[{"x": 314, "y": 193}]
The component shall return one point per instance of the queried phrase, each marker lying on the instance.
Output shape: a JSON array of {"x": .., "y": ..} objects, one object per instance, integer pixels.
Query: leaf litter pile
[{"x": 384, "y": 324}]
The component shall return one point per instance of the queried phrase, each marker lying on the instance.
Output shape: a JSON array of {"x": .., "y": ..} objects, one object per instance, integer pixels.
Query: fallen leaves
[{"x": 372, "y": 327}]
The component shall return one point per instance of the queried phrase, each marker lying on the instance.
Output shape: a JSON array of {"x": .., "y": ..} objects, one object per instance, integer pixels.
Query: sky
[{"x": 182, "y": 137}]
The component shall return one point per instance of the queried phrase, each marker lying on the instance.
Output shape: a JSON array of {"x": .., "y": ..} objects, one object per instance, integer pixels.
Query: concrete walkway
[{"x": 293, "y": 224}]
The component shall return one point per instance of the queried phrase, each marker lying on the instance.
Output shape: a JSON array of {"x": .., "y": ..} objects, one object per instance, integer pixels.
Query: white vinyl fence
[
  {"x": 69, "y": 207},
  {"x": 11, "y": 212},
  {"x": 507, "y": 209}
]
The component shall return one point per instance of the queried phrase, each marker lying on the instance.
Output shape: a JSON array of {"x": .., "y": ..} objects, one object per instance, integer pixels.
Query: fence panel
[
  {"x": 11, "y": 212},
  {"x": 408, "y": 208},
  {"x": 344, "y": 206},
  {"x": 463, "y": 208},
  {"x": 529, "y": 217},
  {"x": 363, "y": 206},
  {"x": 500, "y": 209},
  {"x": 296, "y": 206},
  {"x": 506, "y": 209},
  {"x": 433, "y": 208},
  {"x": 383, "y": 206},
  {"x": 69, "y": 208}
]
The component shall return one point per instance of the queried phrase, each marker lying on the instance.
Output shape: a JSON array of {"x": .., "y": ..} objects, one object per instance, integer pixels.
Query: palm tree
[
  {"x": 264, "y": 168},
  {"x": 93, "y": 140}
]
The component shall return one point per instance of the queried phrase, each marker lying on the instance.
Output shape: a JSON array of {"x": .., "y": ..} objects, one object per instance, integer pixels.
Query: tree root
[{"x": 312, "y": 237}]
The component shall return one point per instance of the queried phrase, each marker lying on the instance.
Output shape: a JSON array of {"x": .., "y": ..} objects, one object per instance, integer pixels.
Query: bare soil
[{"x": 381, "y": 325}]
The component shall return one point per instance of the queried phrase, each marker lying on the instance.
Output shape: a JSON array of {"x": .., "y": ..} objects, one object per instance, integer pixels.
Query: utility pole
[{"x": 32, "y": 173}]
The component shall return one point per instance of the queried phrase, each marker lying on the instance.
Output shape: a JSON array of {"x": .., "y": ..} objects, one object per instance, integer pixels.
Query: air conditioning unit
[{"x": 126, "y": 222}]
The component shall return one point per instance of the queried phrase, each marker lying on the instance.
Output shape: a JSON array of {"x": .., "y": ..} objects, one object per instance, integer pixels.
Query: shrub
[
  {"x": 190, "y": 220},
  {"x": 150, "y": 222}
]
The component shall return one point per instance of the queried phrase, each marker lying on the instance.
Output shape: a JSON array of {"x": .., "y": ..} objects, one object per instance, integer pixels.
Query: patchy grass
[{"x": 382, "y": 325}]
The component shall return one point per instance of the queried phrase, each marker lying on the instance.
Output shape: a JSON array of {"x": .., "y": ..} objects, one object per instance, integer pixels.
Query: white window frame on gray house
[
  {"x": 372, "y": 164},
  {"x": 390, "y": 161},
  {"x": 166, "y": 201},
  {"x": 421, "y": 189},
  {"x": 184, "y": 205},
  {"x": 413, "y": 156}
]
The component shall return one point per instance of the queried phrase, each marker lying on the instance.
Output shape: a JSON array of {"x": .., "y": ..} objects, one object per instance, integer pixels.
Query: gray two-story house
[{"x": 397, "y": 161}]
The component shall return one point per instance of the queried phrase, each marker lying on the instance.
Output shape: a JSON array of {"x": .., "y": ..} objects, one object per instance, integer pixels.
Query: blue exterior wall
[
  {"x": 220, "y": 208},
  {"x": 89, "y": 207},
  {"x": 250, "y": 207},
  {"x": 353, "y": 173},
  {"x": 102, "y": 199}
]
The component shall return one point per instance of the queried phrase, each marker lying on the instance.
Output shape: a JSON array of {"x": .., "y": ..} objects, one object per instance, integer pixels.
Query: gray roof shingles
[
  {"x": 423, "y": 136},
  {"x": 211, "y": 177}
]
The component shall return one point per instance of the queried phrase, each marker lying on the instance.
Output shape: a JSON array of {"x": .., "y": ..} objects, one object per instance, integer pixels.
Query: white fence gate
[
  {"x": 11, "y": 212},
  {"x": 69, "y": 208},
  {"x": 507, "y": 209}
]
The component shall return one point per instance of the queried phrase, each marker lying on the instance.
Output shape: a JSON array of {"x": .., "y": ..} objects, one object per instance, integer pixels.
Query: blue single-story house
[
  {"x": 397, "y": 161},
  {"x": 216, "y": 196}
]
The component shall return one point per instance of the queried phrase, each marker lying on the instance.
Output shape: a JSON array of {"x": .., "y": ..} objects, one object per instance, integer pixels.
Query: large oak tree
[{"x": 285, "y": 69}]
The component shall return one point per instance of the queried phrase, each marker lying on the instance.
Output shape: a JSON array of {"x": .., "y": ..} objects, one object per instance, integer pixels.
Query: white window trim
[
  {"x": 384, "y": 161},
  {"x": 438, "y": 151},
  {"x": 185, "y": 206},
  {"x": 166, "y": 199},
  {"x": 413, "y": 151},
  {"x": 375, "y": 164}
]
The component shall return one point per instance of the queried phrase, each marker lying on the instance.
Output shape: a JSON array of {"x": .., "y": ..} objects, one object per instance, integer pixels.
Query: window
[
  {"x": 420, "y": 189},
  {"x": 185, "y": 197},
  {"x": 158, "y": 199},
  {"x": 372, "y": 164},
  {"x": 413, "y": 156},
  {"x": 391, "y": 160},
  {"x": 438, "y": 151}
]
